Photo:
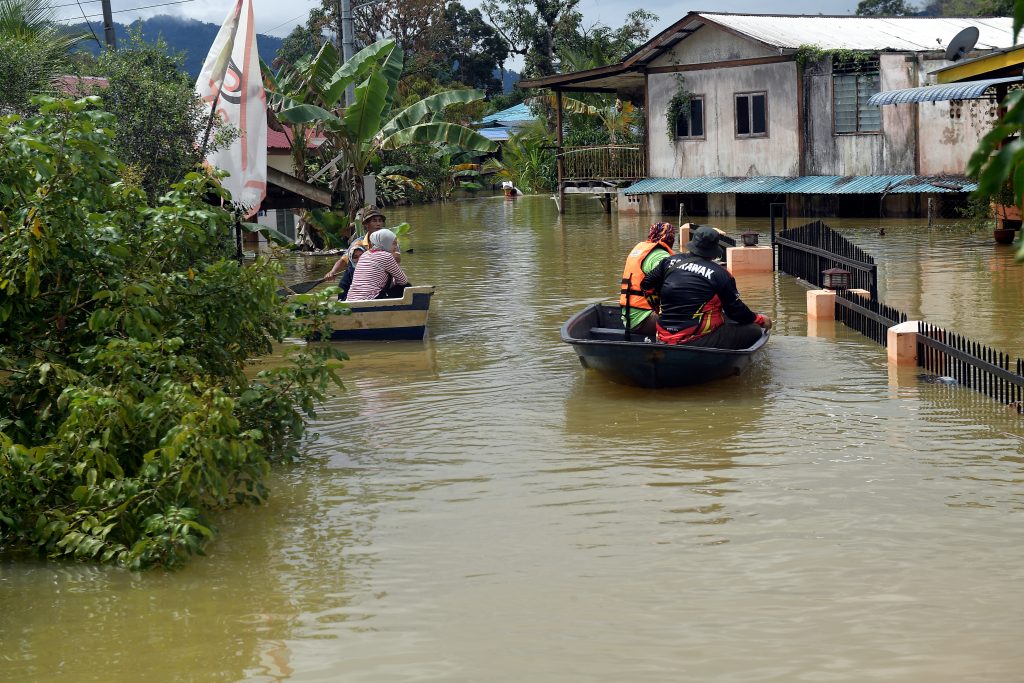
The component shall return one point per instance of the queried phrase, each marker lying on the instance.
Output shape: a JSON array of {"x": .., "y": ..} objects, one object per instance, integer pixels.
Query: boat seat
[{"x": 609, "y": 334}]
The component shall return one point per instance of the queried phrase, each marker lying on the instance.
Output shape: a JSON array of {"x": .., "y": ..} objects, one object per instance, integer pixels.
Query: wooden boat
[
  {"x": 385, "y": 319},
  {"x": 597, "y": 335}
]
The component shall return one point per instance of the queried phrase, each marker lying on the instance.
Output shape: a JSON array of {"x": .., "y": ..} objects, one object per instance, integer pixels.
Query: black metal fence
[
  {"x": 807, "y": 250},
  {"x": 867, "y": 316},
  {"x": 971, "y": 364}
]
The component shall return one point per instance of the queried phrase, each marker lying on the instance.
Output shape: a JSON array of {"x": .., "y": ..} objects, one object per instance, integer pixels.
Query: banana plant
[{"x": 356, "y": 134}]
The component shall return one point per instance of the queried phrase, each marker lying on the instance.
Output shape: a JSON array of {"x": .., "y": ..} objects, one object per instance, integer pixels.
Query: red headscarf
[{"x": 662, "y": 232}]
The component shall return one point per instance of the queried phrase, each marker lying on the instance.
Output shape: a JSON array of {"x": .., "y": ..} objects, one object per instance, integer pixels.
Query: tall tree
[
  {"x": 534, "y": 28},
  {"x": 158, "y": 115},
  {"x": 472, "y": 48},
  {"x": 885, "y": 8},
  {"x": 967, "y": 8}
]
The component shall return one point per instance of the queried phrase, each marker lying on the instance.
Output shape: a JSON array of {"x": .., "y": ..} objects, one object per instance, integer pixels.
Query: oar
[{"x": 300, "y": 288}]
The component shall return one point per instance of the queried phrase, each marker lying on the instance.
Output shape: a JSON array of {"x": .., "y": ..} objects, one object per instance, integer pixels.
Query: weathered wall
[
  {"x": 947, "y": 141},
  {"x": 710, "y": 44},
  {"x": 282, "y": 162},
  {"x": 720, "y": 153}
]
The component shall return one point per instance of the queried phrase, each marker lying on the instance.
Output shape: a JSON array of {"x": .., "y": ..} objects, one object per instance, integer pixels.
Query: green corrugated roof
[{"x": 821, "y": 184}]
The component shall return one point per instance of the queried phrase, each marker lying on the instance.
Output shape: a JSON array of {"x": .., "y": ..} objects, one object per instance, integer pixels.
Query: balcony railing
[{"x": 603, "y": 162}]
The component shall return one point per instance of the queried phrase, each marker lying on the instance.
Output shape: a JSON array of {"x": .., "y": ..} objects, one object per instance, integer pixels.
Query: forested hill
[{"x": 192, "y": 37}]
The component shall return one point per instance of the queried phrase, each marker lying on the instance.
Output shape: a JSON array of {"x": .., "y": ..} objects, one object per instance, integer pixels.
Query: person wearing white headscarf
[{"x": 377, "y": 274}]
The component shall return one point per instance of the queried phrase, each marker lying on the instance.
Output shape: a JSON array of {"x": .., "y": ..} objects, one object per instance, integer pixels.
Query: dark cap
[{"x": 704, "y": 242}]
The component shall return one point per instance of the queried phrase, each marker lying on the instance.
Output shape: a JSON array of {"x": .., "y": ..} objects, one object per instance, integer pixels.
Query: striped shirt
[{"x": 376, "y": 270}]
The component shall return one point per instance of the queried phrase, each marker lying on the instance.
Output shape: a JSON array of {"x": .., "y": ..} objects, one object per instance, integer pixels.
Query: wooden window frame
[
  {"x": 750, "y": 114},
  {"x": 704, "y": 120}
]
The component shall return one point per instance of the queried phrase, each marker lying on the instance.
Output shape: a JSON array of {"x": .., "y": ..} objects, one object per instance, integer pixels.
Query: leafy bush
[{"x": 126, "y": 416}]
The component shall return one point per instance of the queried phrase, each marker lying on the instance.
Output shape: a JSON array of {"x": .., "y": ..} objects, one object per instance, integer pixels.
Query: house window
[
  {"x": 751, "y": 115},
  {"x": 286, "y": 222},
  {"x": 853, "y": 83},
  {"x": 691, "y": 126}
]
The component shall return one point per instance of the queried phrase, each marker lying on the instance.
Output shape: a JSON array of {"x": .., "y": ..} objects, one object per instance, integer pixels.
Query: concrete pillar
[
  {"x": 749, "y": 259},
  {"x": 821, "y": 304},
  {"x": 901, "y": 344},
  {"x": 683, "y": 235}
]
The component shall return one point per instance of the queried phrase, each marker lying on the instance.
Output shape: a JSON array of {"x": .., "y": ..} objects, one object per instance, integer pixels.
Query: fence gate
[{"x": 807, "y": 250}]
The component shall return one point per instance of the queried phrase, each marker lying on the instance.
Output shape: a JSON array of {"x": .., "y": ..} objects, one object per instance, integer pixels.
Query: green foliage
[
  {"x": 528, "y": 160},
  {"x": 33, "y": 51},
  {"x": 125, "y": 415},
  {"x": 884, "y": 8},
  {"x": 158, "y": 116},
  {"x": 809, "y": 54},
  {"x": 999, "y": 158},
  {"x": 998, "y": 161},
  {"x": 678, "y": 107}
]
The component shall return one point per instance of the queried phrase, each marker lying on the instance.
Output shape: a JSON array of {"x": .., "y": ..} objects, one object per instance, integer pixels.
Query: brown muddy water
[{"x": 478, "y": 507}]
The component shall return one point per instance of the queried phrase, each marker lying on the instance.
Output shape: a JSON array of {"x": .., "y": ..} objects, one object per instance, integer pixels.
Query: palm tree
[{"x": 33, "y": 49}]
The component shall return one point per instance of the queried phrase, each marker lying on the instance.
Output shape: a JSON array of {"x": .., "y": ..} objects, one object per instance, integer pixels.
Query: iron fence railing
[
  {"x": 867, "y": 316},
  {"x": 603, "y": 162},
  {"x": 971, "y": 364},
  {"x": 807, "y": 250}
]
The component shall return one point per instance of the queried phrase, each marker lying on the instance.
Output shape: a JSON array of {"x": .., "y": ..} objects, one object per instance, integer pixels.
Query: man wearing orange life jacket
[{"x": 640, "y": 261}]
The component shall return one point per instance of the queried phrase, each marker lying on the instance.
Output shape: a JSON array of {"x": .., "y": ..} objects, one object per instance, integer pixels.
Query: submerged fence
[
  {"x": 971, "y": 364},
  {"x": 807, "y": 250},
  {"x": 867, "y": 316}
]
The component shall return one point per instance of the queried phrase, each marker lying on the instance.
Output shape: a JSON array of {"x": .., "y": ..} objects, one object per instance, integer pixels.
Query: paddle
[{"x": 300, "y": 288}]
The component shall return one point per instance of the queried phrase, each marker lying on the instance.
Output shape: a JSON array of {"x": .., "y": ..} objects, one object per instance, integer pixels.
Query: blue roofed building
[{"x": 500, "y": 125}]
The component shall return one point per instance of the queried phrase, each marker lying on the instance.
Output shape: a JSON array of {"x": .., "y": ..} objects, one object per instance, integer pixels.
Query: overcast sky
[{"x": 278, "y": 18}]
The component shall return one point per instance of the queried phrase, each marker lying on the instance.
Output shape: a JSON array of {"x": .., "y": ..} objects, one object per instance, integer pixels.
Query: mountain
[{"x": 190, "y": 36}]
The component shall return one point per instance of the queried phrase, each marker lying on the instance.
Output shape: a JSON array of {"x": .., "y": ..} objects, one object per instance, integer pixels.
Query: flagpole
[{"x": 209, "y": 123}]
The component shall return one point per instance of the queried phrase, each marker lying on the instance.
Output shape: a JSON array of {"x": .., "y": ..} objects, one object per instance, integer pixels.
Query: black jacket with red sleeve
[{"x": 695, "y": 296}]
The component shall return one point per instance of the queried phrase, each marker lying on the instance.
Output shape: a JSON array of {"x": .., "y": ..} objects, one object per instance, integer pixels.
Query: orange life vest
[{"x": 633, "y": 274}]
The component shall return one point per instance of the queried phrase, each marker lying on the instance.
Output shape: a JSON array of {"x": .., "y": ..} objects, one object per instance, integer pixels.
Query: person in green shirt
[{"x": 640, "y": 261}]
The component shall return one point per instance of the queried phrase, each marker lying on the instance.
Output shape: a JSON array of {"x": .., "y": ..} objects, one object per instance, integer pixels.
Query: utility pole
[
  {"x": 108, "y": 26},
  {"x": 347, "y": 32}
]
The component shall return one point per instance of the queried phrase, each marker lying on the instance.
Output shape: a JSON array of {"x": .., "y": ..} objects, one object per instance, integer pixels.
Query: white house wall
[
  {"x": 710, "y": 44},
  {"x": 721, "y": 153}
]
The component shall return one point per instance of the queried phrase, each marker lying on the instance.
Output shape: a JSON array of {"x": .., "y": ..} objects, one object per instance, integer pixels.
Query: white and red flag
[{"x": 231, "y": 83}]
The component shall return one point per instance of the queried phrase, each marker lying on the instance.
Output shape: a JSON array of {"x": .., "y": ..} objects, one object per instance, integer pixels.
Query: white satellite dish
[{"x": 962, "y": 43}]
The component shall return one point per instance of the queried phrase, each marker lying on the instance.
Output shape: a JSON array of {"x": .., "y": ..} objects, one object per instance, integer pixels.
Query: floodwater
[{"x": 478, "y": 507}]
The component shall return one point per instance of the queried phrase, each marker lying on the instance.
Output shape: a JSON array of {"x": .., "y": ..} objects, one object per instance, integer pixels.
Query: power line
[
  {"x": 89, "y": 24},
  {"x": 136, "y": 9}
]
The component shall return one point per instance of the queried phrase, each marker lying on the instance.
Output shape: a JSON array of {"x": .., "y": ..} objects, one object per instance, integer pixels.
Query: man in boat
[
  {"x": 640, "y": 261},
  {"x": 695, "y": 294},
  {"x": 372, "y": 220}
]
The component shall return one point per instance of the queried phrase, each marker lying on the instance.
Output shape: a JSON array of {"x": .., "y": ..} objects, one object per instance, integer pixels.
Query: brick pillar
[{"x": 901, "y": 344}]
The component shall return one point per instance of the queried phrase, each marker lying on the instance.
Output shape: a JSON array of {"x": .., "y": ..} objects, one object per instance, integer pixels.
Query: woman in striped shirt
[{"x": 377, "y": 274}]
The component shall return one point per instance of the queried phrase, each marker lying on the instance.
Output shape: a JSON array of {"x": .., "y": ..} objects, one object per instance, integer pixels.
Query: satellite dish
[{"x": 962, "y": 43}]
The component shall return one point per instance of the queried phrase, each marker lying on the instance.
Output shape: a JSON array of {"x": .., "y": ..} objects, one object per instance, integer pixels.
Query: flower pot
[{"x": 1004, "y": 235}]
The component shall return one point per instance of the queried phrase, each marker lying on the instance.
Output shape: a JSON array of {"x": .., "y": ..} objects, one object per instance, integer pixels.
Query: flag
[{"x": 231, "y": 84}]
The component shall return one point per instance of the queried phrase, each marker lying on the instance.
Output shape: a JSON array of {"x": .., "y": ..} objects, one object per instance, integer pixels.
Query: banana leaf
[
  {"x": 362, "y": 119},
  {"x": 268, "y": 232},
  {"x": 439, "y": 132},
  {"x": 415, "y": 113},
  {"x": 356, "y": 68},
  {"x": 392, "y": 71}
]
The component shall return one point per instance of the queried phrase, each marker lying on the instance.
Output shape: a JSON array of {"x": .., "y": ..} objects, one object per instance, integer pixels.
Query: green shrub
[{"x": 125, "y": 415}]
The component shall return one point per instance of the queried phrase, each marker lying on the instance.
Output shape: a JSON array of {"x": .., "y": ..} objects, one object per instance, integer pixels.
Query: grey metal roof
[
  {"x": 909, "y": 34},
  {"x": 967, "y": 90},
  {"x": 827, "y": 184}
]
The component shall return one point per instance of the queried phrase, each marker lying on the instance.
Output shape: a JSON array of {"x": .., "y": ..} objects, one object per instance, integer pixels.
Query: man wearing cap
[
  {"x": 372, "y": 220},
  {"x": 696, "y": 294}
]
